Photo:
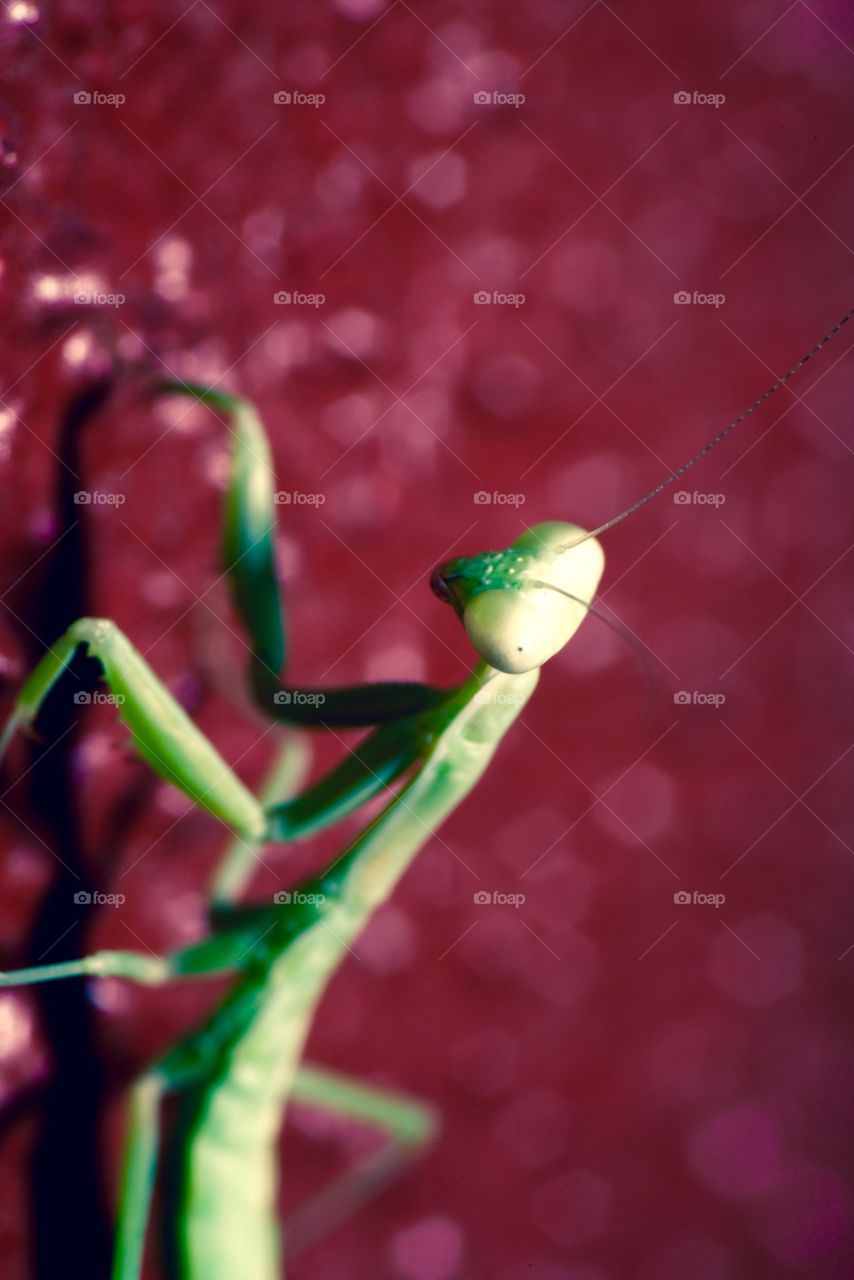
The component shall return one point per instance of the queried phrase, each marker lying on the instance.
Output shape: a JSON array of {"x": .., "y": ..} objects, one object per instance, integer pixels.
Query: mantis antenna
[{"x": 722, "y": 435}]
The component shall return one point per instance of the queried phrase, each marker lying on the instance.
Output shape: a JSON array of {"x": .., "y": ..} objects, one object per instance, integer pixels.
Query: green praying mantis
[{"x": 234, "y": 1076}]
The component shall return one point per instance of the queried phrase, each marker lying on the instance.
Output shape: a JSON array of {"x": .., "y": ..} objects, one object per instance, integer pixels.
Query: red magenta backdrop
[{"x": 479, "y": 265}]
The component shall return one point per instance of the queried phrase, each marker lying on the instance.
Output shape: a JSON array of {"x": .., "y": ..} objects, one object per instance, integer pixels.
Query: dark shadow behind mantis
[{"x": 426, "y": 749}]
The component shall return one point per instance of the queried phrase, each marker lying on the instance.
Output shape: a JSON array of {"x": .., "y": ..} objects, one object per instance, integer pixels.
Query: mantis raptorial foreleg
[
  {"x": 367, "y": 770},
  {"x": 240, "y": 858},
  {"x": 248, "y": 553},
  {"x": 162, "y": 731},
  {"x": 167, "y": 738}
]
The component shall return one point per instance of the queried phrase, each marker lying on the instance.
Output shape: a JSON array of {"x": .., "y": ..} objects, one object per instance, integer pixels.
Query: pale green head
[{"x": 522, "y": 605}]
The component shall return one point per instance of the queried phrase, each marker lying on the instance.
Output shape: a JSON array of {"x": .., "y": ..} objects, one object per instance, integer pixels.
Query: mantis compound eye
[
  {"x": 505, "y": 629},
  {"x": 441, "y": 585},
  {"x": 522, "y": 605}
]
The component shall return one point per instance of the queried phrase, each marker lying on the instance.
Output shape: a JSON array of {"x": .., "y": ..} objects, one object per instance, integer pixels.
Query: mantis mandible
[{"x": 235, "y": 1075}]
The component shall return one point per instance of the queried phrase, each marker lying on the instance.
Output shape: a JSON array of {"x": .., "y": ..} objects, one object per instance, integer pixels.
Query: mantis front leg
[
  {"x": 249, "y": 561},
  {"x": 162, "y": 731},
  {"x": 167, "y": 738},
  {"x": 367, "y": 770}
]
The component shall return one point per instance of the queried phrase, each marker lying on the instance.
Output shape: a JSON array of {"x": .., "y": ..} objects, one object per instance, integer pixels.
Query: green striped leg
[
  {"x": 249, "y": 560},
  {"x": 162, "y": 731}
]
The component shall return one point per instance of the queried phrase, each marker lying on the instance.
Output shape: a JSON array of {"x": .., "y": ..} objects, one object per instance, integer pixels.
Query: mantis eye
[{"x": 506, "y": 630}]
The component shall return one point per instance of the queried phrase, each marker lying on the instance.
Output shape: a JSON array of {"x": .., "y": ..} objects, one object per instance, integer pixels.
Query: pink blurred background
[{"x": 631, "y": 1087}]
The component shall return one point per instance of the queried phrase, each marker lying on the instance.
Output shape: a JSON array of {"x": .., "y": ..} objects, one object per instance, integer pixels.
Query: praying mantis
[{"x": 234, "y": 1076}]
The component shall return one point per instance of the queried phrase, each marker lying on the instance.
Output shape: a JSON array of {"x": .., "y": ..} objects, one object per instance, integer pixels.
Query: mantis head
[{"x": 521, "y": 606}]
